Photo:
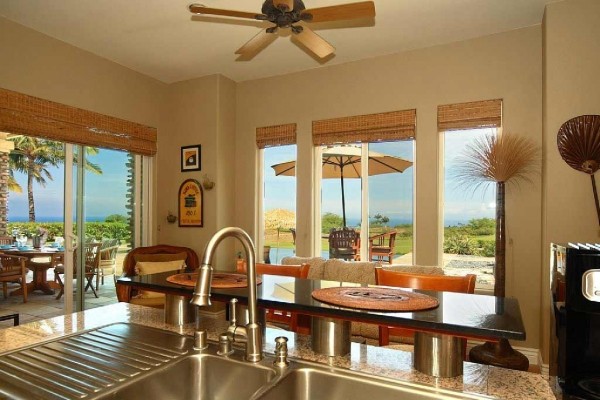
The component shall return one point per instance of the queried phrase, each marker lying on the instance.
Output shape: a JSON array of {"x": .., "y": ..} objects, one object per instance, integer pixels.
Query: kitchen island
[{"x": 395, "y": 364}]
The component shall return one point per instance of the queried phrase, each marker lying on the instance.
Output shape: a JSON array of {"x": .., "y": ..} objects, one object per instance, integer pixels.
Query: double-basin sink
[{"x": 129, "y": 361}]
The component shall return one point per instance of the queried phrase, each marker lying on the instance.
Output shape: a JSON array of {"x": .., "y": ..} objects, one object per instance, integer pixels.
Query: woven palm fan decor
[{"x": 578, "y": 142}]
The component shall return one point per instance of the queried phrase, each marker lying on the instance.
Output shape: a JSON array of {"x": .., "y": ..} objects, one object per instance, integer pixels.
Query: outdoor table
[{"x": 39, "y": 269}]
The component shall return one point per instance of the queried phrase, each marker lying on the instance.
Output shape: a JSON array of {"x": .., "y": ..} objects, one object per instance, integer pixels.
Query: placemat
[
  {"x": 374, "y": 298},
  {"x": 220, "y": 280}
]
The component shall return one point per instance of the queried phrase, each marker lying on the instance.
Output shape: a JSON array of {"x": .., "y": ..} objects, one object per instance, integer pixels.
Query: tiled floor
[{"x": 40, "y": 306}]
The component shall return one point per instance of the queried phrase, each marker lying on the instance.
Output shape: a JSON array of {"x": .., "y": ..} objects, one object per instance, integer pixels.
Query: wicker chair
[
  {"x": 13, "y": 269},
  {"x": 158, "y": 253}
]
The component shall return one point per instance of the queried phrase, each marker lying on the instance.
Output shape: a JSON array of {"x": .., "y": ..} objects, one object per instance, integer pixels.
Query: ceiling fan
[{"x": 288, "y": 14}]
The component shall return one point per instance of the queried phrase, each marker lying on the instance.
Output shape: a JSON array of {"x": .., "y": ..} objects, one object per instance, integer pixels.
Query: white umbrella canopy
[{"x": 345, "y": 162}]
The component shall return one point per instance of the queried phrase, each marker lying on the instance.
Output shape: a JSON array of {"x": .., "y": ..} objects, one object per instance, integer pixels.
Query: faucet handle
[
  {"x": 232, "y": 311},
  {"x": 281, "y": 352}
]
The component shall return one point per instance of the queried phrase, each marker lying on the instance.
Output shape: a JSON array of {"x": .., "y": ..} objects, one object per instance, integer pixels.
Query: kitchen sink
[{"x": 129, "y": 361}]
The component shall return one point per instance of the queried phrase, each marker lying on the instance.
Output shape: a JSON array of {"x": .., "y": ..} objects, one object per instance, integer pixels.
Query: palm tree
[{"x": 33, "y": 156}]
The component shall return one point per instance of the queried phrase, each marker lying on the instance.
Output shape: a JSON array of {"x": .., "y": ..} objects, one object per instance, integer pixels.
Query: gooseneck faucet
[{"x": 201, "y": 297}]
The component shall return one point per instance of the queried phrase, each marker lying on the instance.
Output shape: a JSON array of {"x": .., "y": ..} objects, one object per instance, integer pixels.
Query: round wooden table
[{"x": 39, "y": 269}]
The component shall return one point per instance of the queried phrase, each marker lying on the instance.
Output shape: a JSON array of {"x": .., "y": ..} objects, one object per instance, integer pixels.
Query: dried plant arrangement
[{"x": 500, "y": 159}]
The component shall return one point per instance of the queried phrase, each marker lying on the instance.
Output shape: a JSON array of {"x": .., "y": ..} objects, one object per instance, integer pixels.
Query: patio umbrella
[{"x": 345, "y": 162}]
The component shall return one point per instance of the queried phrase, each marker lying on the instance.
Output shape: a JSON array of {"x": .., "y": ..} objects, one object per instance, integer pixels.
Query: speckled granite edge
[{"x": 387, "y": 362}]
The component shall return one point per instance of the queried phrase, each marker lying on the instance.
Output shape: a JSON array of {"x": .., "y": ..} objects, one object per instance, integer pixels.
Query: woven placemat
[
  {"x": 373, "y": 298},
  {"x": 219, "y": 280}
]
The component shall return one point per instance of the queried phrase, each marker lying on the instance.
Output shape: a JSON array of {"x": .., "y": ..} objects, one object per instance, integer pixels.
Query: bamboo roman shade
[
  {"x": 32, "y": 116},
  {"x": 277, "y": 135},
  {"x": 473, "y": 115},
  {"x": 382, "y": 127}
]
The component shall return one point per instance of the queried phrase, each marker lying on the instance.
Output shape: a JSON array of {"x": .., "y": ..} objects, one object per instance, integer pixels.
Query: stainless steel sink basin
[
  {"x": 311, "y": 383},
  {"x": 199, "y": 377},
  {"x": 128, "y": 361}
]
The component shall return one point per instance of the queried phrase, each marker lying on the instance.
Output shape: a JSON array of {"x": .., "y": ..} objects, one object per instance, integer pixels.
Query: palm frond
[{"x": 504, "y": 158}]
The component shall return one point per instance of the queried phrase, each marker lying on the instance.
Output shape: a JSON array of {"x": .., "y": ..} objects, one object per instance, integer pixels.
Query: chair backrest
[
  {"x": 109, "y": 249},
  {"x": 12, "y": 265},
  {"x": 297, "y": 271},
  {"x": 6, "y": 240},
  {"x": 392, "y": 241},
  {"x": 442, "y": 283},
  {"x": 343, "y": 238},
  {"x": 154, "y": 252}
]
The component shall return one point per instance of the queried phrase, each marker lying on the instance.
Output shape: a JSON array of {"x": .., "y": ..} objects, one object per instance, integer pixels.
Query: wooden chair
[
  {"x": 345, "y": 244},
  {"x": 441, "y": 283},
  {"x": 91, "y": 263},
  {"x": 296, "y": 271},
  {"x": 378, "y": 248},
  {"x": 6, "y": 240},
  {"x": 108, "y": 260},
  {"x": 13, "y": 269},
  {"x": 158, "y": 253}
]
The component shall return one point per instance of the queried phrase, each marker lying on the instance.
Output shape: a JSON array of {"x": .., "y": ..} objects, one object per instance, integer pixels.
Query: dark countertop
[{"x": 471, "y": 315}]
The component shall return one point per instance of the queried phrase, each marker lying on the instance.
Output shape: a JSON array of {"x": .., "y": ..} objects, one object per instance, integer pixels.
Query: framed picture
[
  {"x": 191, "y": 158},
  {"x": 191, "y": 203}
]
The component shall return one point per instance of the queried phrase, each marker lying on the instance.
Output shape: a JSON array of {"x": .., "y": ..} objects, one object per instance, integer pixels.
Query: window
[
  {"x": 277, "y": 208},
  {"x": 469, "y": 222},
  {"x": 374, "y": 199}
]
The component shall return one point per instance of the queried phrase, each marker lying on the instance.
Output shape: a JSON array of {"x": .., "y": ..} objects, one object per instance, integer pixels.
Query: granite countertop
[{"x": 391, "y": 363}]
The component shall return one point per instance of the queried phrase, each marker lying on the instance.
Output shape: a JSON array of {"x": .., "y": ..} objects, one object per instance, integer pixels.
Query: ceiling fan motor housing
[{"x": 281, "y": 18}]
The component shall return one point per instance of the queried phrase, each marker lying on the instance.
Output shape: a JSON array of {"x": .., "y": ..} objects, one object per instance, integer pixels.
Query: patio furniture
[
  {"x": 108, "y": 260},
  {"x": 6, "y": 240},
  {"x": 345, "y": 244},
  {"x": 156, "y": 254},
  {"x": 441, "y": 283},
  {"x": 382, "y": 247},
  {"x": 91, "y": 262},
  {"x": 13, "y": 269},
  {"x": 39, "y": 261}
]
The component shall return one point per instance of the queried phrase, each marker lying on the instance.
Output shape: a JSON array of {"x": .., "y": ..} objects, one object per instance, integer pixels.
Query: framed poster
[
  {"x": 191, "y": 203},
  {"x": 191, "y": 158}
]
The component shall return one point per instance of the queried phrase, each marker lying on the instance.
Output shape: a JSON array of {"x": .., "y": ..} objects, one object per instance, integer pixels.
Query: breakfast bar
[{"x": 457, "y": 315}]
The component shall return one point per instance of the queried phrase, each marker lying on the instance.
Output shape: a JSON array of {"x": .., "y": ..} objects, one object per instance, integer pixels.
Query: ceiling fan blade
[
  {"x": 289, "y": 4},
  {"x": 364, "y": 9},
  {"x": 314, "y": 42},
  {"x": 253, "y": 46},
  {"x": 200, "y": 9}
]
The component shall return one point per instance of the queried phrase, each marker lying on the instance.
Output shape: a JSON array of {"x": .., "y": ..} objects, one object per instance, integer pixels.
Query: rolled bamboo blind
[
  {"x": 277, "y": 135},
  {"x": 381, "y": 127},
  {"x": 472, "y": 115},
  {"x": 32, "y": 116}
]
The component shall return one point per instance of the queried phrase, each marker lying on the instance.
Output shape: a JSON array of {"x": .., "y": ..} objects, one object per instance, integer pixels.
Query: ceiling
[{"x": 161, "y": 39}]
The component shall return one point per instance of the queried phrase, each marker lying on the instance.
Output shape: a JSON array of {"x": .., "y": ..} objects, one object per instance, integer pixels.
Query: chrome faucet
[{"x": 252, "y": 331}]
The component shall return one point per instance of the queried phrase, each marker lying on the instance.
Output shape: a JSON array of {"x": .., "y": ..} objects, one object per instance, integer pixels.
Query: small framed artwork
[
  {"x": 191, "y": 204},
  {"x": 191, "y": 158}
]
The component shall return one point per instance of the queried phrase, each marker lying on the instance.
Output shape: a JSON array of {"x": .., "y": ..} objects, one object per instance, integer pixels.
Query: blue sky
[
  {"x": 389, "y": 194},
  {"x": 104, "y": 194}
]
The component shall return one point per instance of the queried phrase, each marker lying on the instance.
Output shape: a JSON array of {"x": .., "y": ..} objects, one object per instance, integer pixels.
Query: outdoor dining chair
[
  {"x": 345, "y": 244},
  {"x": 379, "y": 250},
  {"x": 91, "y": 260},
  {"x": 13, "y": 269},
  {"x": 108, "y": 260}
]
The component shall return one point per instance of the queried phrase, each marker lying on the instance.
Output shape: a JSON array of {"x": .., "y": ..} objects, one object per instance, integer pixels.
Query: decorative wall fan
[{"x": 288, "y": 14}]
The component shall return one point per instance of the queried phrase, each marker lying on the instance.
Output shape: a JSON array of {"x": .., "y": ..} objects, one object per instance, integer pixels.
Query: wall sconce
[
  {"x": 207, "y": 184},
  {"x": 171, "y": 218}
]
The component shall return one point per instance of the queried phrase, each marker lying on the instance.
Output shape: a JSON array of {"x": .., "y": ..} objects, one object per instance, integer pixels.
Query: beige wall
[
  {"x": 199, "y": 111},
  {"x": 571, "y": 88},
  {"x": 507, "y": 66}
]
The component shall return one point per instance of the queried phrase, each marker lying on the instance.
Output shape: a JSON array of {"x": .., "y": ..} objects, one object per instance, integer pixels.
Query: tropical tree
[{"x": 33, "y": 157}]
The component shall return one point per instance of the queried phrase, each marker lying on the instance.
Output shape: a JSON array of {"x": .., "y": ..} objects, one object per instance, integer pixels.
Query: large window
[
  {"x": 279, "y": 202},
  {"x": 468, "y": 211}
]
